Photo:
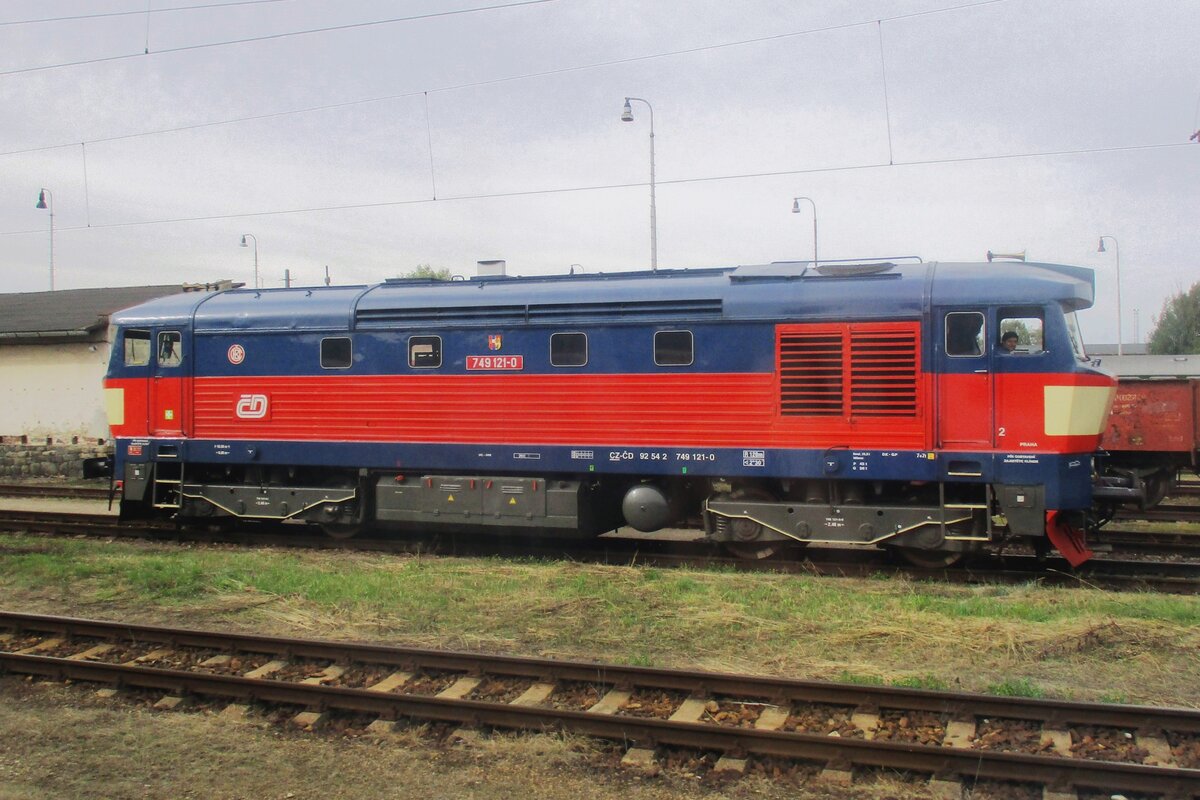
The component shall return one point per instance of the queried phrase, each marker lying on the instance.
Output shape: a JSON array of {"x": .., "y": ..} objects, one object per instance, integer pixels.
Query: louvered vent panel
[
  {"x": 883, "y": 373},
  {"x": 810, "y": 374}
]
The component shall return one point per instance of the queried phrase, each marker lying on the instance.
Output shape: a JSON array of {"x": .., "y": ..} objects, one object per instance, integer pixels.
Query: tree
[
  {"x": 1177, "y": 328},
  {"x": 426, "y": 271}
]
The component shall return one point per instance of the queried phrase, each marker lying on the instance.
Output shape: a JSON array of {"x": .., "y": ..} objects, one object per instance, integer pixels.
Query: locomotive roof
[{"x": 782, "y": 289}]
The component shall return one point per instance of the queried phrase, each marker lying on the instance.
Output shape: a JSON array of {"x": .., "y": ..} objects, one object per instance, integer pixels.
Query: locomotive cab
[
  {"x": 1010, "y": 431},
  {"x": 147, "y": 399}
]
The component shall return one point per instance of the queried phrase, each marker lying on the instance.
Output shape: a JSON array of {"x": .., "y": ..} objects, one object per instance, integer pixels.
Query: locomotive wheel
[
  {"x": 746, "y": 532},
  {"x": 336, "y": 530},
  {"x": 755, "y": 551},
  {"x": 929, "y": 559}
]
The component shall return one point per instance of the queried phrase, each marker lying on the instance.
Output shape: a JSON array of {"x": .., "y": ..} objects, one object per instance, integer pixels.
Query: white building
[{"x": 53, "y": 355}]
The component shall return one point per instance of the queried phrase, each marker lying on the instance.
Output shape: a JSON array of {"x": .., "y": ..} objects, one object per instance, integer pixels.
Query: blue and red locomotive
[{"x": 861, "y": 403}]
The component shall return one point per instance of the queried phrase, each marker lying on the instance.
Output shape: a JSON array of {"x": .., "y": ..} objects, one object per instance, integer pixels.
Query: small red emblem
[
  {"x": 237, "y": 354},
  {"x": 494, "y": 341}
]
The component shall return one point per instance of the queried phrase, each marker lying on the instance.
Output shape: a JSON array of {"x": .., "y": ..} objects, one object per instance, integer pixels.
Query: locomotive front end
[{"x": 1051, "y": 408}]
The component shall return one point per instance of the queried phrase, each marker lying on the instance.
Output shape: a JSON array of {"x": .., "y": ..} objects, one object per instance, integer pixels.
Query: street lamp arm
[
  {"x": 796, "y": 210},
  {"x": 246, "y": 236},
  {"x": 1117, "y": 256}
]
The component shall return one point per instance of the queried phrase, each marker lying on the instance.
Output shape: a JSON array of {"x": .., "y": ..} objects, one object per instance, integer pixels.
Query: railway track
[
  {"x": 1169, "y": 576},
  {"x": 1162, "y": 545},
  {"x": 1167, "y": 512},
  {"x": 941, "y": 734}
]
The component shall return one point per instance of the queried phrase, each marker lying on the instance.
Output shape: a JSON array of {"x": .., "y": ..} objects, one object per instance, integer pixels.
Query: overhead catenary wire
[
  {"x": 274, "y": 36},
  {"x": 614, "y": 62},
  {"x": 612, "y": 186},
  {"x": 147, "y": 11}
]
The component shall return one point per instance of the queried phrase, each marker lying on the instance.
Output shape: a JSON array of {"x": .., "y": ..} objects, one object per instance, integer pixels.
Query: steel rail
[
  {"x": 939, "y": 761},
  {"x": 954, "y": 704},
  {"x": 1126, "y": 541},
  {"x": 1162, "y": 513}
]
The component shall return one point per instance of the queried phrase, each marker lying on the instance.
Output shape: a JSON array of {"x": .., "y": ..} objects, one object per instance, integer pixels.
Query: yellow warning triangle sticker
[
  {"x": 450, "y": 499},
  {"x": 512, "y": 501}
]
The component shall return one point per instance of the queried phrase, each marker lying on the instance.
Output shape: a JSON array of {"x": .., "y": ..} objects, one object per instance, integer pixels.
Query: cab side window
[
  {"x": 965, "y": 333},
  {"x": 1027, "y": 323},
  {"x": 170, "y": 349},
  {"x": 137, "y": 348}
]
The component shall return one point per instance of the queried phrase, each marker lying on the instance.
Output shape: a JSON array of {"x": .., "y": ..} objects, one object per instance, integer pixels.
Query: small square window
[
  {"x": 1022, "y": 330},
  {"x": 965, "y": 333},
  {"x": 673, "y": 348},
  {"x": 337, "y": 352},
  {"x": 425, "y": 352},
  {"x": 568, "y": 349},
  {"x": 170, "y": 349},
  {"x": 137, "y": 348}
]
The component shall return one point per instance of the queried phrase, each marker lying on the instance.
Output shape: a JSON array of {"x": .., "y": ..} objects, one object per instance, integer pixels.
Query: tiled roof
[{"x": 69, "y": 313}]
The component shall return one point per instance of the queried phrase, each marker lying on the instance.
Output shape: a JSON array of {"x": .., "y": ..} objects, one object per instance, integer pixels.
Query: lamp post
[
  {"x": 42, "y": 203},
  {"x": 796, "y": 210},
  {"x": 244, "y": 244},
  {"x": 1117, "y": 253},
  {"x": 627, "y": 116}
]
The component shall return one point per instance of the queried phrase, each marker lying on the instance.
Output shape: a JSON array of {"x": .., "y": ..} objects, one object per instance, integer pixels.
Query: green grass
[
  {"x": 1021, "y": 640},
  {"x": 1016, "y": 687},
  {"x": 931, "y": 682},
  {"x": 857, "y": 679},
  {"x": 1115, "y": 697}
]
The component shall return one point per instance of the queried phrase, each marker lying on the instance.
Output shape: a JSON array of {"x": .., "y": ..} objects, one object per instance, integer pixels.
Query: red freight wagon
[{"x": 1155, "y": 421}]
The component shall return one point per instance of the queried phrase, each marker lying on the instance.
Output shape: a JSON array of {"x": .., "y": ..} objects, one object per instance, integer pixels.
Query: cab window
[
  {"x": 1075, "y": 336},
  {"x": 137, "y": 348},
  {"x": 1027, "y": 322},
  {"x": 965, "y": 333},
  {"x": 170, "y": 349}
]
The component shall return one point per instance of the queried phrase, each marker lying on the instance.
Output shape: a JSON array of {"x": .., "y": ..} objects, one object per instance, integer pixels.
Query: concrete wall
[{"x": 53, "y": 391}]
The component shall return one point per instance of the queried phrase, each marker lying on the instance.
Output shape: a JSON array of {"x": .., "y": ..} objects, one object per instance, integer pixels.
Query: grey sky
[{"x": 515, "y": 162}]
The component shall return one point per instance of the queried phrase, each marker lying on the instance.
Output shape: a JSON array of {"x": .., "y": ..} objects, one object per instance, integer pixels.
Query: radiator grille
[
  {"x": 811, "y": 374},
  {"x": 883, "y": 373},
  {"x": 850, "y": 371}
]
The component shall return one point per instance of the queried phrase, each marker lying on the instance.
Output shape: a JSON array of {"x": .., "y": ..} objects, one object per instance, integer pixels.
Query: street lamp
[
  {"x": 244, "y": 244},
  {"x": 42, "y": 203},
  {"x": 796, "y": 210},
  {"x": 1117, "y": 253},
  {"x": 627, "y": 116}
]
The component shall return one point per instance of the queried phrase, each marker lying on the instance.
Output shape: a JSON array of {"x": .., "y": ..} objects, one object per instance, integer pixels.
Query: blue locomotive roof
[
  {"x": 781, "y": 289},
  {"x": 316, "y": 308},
  {"x": 175, "y": 309}
]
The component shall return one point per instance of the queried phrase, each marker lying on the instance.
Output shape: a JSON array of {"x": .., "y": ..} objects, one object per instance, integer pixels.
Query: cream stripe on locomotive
[{"x": 1077, "y": 410}]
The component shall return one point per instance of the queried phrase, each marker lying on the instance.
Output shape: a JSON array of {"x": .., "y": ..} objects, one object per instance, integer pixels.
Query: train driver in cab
[{"x": 1008, "y": 342}]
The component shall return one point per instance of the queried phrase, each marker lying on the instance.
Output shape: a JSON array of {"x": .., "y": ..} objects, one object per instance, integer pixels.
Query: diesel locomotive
[{"x": 866, "y": 403}]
